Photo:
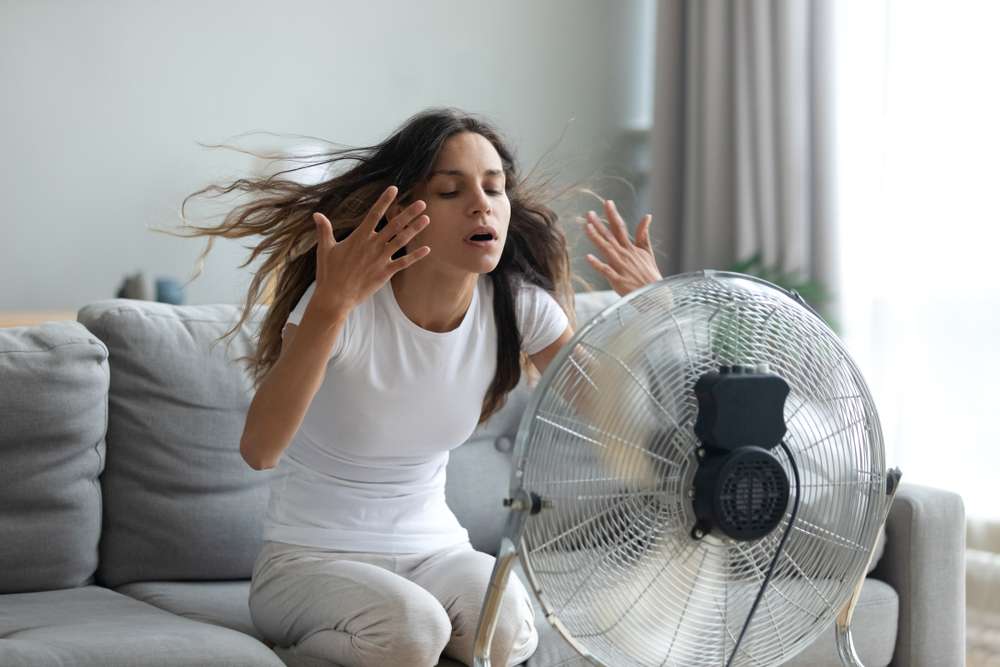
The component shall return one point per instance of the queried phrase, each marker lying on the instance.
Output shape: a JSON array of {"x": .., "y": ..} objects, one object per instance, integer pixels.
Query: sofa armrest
[{"x": 924, "y": 561}]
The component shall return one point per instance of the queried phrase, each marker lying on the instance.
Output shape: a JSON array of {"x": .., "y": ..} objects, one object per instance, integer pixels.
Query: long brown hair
[{"x": 281, "y": 211}]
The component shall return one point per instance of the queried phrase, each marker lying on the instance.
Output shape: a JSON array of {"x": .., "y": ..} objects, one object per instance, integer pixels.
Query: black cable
[{"x": 777, "y": 554}]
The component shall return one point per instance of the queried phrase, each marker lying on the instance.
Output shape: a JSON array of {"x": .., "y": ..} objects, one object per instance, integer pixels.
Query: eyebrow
[{"x": 459, "y": 172}]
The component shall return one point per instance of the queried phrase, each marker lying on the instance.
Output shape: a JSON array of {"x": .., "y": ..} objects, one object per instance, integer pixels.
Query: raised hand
[
  {"x": 348, "y": 271},
  {"x": 627, "y": 265}
]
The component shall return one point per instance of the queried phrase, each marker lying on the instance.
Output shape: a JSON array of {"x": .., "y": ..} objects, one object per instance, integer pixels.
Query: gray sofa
[{"x": 129, "y": 523}]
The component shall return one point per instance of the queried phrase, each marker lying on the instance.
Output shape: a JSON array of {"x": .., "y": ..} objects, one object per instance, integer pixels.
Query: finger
[
  {"x": 618, "y": 227},
  {"x": 602, "y": 239},
  {"x": 379, "y": 208},
  {"x": 603, "y": 268},
  {"x": 404, "y": 218},
  {"x": 406, "y": 234},
  {"x": 324, "y": 231},
  {"x": 602, "y": 231},
  {"x": 408, "y": 259},
  {"x": 642, "y": 233}
]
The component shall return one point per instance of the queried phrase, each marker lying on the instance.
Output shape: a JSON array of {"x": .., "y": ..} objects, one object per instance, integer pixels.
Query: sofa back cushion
[
  {"x": 53, "y": 415},
  {"x": 179, "y": 501}
]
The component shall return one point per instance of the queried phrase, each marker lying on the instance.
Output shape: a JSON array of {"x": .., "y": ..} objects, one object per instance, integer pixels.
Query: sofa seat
[
  {"x": 92, "y": 626},
  {"x": 222, "y": 603}
]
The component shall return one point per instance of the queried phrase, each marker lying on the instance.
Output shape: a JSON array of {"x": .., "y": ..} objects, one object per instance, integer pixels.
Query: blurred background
[
  {"x": 108, "y": 101},
  {"x": 843, "y": 148}
]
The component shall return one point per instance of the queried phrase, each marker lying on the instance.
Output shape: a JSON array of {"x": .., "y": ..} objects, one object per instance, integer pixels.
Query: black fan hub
[{"x": 743, "y": 493}]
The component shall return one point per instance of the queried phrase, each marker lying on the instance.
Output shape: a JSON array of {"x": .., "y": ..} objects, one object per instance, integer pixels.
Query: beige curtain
[{"x": 742, "y": 141}]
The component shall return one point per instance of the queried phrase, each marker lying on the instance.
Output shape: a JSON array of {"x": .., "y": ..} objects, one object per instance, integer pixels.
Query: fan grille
[{"x": 609, "y": 440}]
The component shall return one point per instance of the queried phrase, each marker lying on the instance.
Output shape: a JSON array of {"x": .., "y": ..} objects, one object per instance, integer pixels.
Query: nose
[{"x": 480, "y": 204}]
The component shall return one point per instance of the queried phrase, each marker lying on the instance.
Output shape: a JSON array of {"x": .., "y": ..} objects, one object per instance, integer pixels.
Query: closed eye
[{"x": 494, "y": 193}]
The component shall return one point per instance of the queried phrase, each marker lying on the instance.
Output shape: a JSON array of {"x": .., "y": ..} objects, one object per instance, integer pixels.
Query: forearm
[{"x": 283, "y": 397}]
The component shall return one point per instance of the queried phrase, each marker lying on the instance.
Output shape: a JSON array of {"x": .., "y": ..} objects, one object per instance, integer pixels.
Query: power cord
[{"x": 777, "y": 554}]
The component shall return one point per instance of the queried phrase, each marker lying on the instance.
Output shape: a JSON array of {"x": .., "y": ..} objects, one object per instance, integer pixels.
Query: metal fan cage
[{"x": 608, "y": 442}]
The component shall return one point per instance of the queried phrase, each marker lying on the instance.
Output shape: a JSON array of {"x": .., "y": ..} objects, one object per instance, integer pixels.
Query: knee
[{"x": 422, "y": 630}]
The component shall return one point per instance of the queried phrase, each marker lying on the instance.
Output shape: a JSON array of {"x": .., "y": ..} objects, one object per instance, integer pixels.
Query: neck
[{"x": 431, "y": 300}]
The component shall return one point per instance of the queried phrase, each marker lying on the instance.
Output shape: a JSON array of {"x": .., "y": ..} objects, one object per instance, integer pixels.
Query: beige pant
[{"x": 385, "y": 610}]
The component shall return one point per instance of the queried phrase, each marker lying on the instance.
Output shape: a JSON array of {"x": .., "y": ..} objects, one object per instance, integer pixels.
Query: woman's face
[{"x": 464, "y": 193}]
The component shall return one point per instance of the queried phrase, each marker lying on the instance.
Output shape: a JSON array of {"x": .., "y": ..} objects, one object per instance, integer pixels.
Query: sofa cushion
[
  {"x": 874, "y": 627},
  {"x": 54, "y": 398},
  {"x": 92, "y": 626},
  {"x": 223, "y": 603},
  {"x": 179, "y": 501}
]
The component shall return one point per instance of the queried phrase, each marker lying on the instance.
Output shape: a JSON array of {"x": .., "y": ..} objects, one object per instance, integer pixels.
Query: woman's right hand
[{"x": 348, "y": 271}]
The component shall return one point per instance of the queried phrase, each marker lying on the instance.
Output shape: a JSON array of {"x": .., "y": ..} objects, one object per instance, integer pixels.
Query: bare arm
[{"x": 282, "y": 399}]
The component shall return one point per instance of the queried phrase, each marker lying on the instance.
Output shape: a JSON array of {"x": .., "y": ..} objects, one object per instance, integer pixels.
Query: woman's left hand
[{"x": 627, "y": 265}]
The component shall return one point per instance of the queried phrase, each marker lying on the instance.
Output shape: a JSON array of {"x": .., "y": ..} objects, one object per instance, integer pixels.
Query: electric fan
[{"x": 699, "y": 479}]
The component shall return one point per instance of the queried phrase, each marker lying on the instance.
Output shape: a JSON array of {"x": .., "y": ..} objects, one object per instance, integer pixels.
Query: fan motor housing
[
  {"x": 743, "y": 493},
  {"x": 740, "y": 487}
]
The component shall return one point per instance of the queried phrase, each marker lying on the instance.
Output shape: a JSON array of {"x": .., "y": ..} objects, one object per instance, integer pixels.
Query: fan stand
[
  {"x": 524, "y": 504},
  {"x": 519, "y": 507},
  {"x": 491, "y": 604}
]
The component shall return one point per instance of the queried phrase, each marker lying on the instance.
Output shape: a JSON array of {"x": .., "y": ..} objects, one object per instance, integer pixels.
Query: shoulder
[
  {"x": 529, "y": 296},
  {"x": 359, "y": 318},
  {"x": 540, "y": 318},
  {"x": 530, "y": 300}
]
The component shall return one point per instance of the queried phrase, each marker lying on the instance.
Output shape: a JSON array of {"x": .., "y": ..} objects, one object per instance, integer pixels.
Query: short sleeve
[
  {"x": 540, "y": 318},
  {"x": 295, "y": 317}
]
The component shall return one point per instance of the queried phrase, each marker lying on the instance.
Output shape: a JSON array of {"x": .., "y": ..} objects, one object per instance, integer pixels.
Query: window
[{"x": 918, "y": 117}]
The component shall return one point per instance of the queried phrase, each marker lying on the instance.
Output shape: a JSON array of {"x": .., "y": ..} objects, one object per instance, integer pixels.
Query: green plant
[{"x": 814, "y": 292}]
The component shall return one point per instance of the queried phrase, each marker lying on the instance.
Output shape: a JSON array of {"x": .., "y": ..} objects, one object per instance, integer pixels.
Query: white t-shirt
[{"x": 366, "y": 469}]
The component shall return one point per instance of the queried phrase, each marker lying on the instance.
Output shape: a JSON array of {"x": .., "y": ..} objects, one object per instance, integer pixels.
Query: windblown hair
[{"x": 281, "y": 209}]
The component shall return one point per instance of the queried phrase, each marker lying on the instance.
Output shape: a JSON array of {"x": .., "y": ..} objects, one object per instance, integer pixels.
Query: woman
[{"x": 406, "y": 290}]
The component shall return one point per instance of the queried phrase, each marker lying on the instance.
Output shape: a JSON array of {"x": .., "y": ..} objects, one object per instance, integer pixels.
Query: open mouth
[{"x": 483, "y": 239}]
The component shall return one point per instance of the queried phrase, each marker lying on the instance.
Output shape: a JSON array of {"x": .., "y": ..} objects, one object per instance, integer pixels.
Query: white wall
[{"x": 104, "y": 102}]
